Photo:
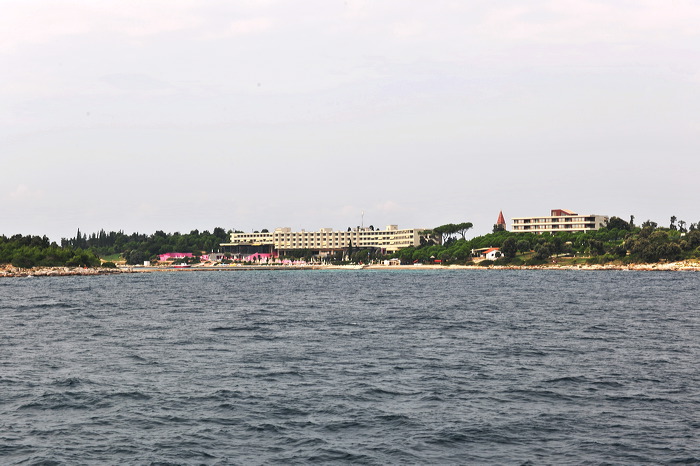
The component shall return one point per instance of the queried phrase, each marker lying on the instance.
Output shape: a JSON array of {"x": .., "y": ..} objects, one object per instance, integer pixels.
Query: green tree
[
  {"x": 616, "y": 223},
  {"x": 543, "y": 251},
  {"x": 523, "y": 245},
  {"x": 509, "y": 248},
  {"x": 462, "y": 228},
  {"x": 445, "y": 231},
  {"x": 596, "y": 247},
  {"x": 135, "y": 257},
  {"x": 449, "y": 229}
]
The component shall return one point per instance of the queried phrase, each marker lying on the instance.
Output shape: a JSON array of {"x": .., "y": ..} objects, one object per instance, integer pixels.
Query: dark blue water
[{"x": 482, "y": 367}]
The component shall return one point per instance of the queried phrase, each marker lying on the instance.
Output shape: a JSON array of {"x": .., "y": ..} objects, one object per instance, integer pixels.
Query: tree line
[
  {"x": 37, "y": 251},
  {"x": 619, "y": 240},
  {"x": 138, "y": 247}
]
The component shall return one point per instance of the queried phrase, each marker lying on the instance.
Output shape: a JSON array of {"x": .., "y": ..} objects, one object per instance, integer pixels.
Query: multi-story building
[
  {"x": 325, "y": 240},
  {"x": 559, "y": 220}
]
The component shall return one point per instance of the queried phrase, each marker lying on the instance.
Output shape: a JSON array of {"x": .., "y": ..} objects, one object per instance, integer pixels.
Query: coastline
[
  {"x": 10, "y": 271},
  {"x": 683, "y": 266}
]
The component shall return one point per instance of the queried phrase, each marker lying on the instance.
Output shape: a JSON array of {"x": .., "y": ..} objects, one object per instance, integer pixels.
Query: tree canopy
[
  {"x": 137, "y": 247},
  {"x": 448, "y": 230},
  {"x": 35, "y": 251},
  {"x": 618, "y": 240}
]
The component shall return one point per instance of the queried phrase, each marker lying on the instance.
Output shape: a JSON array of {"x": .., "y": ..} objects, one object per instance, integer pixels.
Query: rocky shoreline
[
  {"x": 673, "y": 267},
  {"x": 666, "y": 266},
  {"x": 10, "y": 271}
]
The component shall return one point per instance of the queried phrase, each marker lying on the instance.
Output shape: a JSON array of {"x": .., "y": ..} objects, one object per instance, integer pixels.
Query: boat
[{"x": 181, "y": 266}]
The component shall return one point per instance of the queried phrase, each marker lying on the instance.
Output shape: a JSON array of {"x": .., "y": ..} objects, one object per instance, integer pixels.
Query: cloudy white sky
[{"x": 187, "y": 114}]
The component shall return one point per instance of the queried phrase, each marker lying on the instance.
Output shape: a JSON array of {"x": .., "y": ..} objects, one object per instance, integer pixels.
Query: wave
[{"x": 440, "y": 369}]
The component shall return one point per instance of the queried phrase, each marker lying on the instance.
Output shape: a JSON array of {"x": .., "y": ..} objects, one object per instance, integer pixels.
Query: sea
[{"x": 513, "y": 367}]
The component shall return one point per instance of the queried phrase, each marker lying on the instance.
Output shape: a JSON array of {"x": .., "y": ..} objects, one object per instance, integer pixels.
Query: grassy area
[
  {"x": 558, "y": 260},
  {"x": 112, "y": 258},
  {"x": 525, "y": 255}
]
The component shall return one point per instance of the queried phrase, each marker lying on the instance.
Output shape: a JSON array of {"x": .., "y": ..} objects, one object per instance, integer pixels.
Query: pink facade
[
  {"x": 258, "y": 257},
  {"x": 174, "y": 255}
]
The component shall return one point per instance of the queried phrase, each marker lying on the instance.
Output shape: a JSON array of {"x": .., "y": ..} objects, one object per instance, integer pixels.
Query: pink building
[
  {"x": 174, "y": 255},
  {"x": 258, "y": 257}
]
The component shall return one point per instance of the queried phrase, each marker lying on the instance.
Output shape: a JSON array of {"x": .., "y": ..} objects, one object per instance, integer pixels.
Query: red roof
[
  {"x": 501, "y": 220},
  {"x": 490, "y": 250},
  {"x": 562, "y": 212}
]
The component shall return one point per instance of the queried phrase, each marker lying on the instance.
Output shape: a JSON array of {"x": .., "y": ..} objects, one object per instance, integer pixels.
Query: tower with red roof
[{"x": 501, "y": 222}]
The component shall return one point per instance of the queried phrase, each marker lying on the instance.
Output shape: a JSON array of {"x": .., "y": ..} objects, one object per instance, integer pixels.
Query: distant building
[
  {"x": 213, "y": 256},
  {"x": 500, "y": 223},
  {"x": 325, "y": 241},
  {"x": 492, "y": 254},
  {"x": 559, "y": 220},
  {"x": 487, "y": 253},
  {"x": 174, "y": 255}
]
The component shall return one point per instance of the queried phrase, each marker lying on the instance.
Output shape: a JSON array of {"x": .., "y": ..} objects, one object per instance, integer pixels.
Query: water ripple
[{"x": 436, "y": 367}]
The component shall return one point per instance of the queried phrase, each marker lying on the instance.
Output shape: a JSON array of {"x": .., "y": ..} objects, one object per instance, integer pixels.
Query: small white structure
[
  {"x": 215, "y": 256},
  {"x": 492, "y": 254}
]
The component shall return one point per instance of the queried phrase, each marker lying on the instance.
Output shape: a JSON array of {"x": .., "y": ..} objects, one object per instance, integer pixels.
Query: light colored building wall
[
  {"x": 572, "y": 223},
  {"x": 493, "y": 254},
  {"x": 391, "y": 239}
]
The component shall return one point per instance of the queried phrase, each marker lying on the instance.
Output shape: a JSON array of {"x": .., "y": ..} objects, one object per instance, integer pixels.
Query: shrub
[
  {"x": 486, "y": 263},
  {"x": 523, "y": 245},
  {"x": 535, "y": 261},
  {"x": 22, "y": 262},
  {"x": 109, "y": 265},
  {"x": 543, "y": 251}
]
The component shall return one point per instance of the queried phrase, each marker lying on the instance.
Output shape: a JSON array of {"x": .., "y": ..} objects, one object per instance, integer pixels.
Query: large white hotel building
[
  {"x": 559, "y": 220},
  {"x": 328, "y": 240}
]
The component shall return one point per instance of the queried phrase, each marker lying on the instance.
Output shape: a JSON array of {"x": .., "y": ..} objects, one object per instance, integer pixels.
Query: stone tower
[{"x": 501, "y": 222}]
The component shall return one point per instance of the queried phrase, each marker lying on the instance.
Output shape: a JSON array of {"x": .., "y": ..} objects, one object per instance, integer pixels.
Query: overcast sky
[{"x": 181, "y": 115}]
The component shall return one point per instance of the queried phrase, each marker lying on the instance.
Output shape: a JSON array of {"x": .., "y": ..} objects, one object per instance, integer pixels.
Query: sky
[{"x": 188, "y": 114}]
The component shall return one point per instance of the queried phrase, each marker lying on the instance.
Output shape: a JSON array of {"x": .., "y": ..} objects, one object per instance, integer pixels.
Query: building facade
[
  {"x": 326, "y": 240},
  {"x": 559, "y": 220},
  {"x": 174, "y": 255}
]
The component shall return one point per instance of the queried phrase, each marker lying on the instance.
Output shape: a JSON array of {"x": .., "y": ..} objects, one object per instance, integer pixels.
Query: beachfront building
[
  {"x": 168, "y": 256},
  {"x": 559, "y": 220},
  {"x": 489, "y": 253},
  {"x": 325, "y": 241}
]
